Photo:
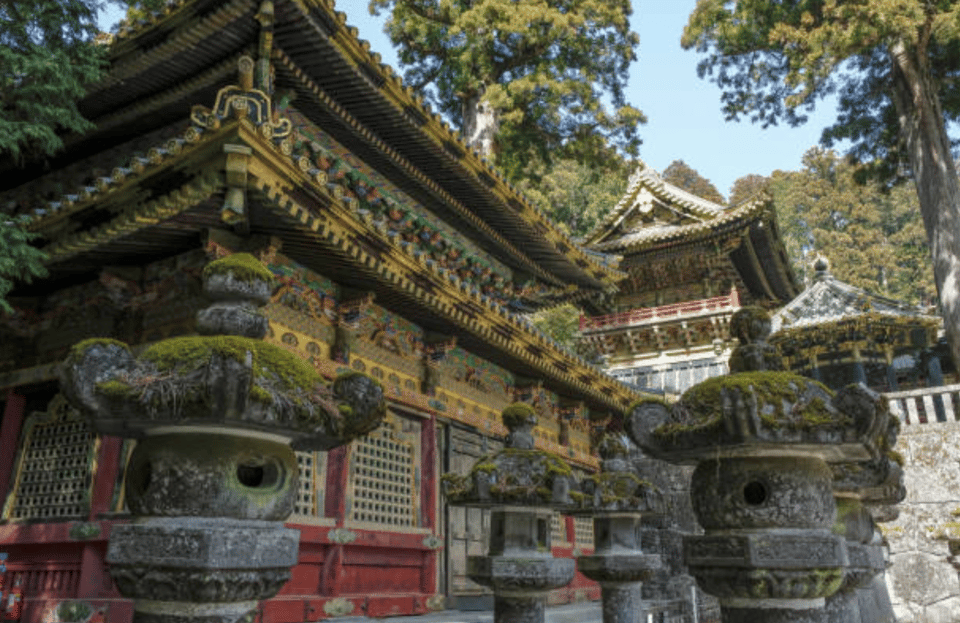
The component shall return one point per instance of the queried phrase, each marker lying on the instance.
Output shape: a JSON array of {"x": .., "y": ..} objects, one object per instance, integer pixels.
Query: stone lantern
[
  {"x": 217, "y": 418},
  {"x": 852, "y": 483},
  {"x": 617, "y": 500},
  {"x": 762, "y": 440},
  {"x": 522, "y": 487}
]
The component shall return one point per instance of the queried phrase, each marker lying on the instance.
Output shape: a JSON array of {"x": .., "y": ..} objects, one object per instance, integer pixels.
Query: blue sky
[{"x": 684, "y": 116}]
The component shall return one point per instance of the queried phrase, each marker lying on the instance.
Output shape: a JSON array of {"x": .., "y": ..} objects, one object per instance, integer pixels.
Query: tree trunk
[
  {"x": 928, "y": 148},
  {"x": 480, "y": 124}
]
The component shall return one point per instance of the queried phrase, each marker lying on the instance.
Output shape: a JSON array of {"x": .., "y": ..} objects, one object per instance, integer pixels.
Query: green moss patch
[
  {"x": 186, "y": 354},
  {"x": 519, "y": 414},
  {"x": 776, "y": 390},
  {"x": 244, "y": 267},
  {"x": 80, "y": 347}
]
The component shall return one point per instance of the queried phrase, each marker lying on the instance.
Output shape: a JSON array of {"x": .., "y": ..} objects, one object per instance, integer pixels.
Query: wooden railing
[
  {"x": 929, "y": 404},
  {"x": 44, "y": 582},
  {"x": 643, "y": 314}
]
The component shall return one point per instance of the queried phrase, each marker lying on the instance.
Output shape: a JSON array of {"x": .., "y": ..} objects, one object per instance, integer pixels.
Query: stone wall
[{"x": 923, "y": 585}]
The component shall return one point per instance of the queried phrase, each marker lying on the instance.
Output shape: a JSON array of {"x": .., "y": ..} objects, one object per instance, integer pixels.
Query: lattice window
[
  {"x": 558, "y": 529},
  {"x": 583, "y": 531},
  {"x": 53, "y": 477},
  {"x": 311, "y": 487},
  {"x": 384, "y": 486}
]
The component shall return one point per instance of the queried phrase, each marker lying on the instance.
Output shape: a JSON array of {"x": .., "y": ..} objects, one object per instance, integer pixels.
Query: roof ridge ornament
[
  {"x": 821, "y": 268},
  {"x": 243, "y": 101}
]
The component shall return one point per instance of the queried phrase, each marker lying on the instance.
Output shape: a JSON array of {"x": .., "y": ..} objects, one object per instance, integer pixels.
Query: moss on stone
[
  {"x": 648, "y": 400},
  {"x": 244, "y": 267},
  {"x": 845, "y": 506},
  {"x": 115, "y": 388},
  {"x": 519, "y": 414},
  {"x": 186, "y": 354},
  {"x": 80, "y": 347},
  {"x": 704, "y": 401},
  {"x": 258, "y": 394},
  {"x": 896, "y": 457},
  {"x": 484, "y": 467}
]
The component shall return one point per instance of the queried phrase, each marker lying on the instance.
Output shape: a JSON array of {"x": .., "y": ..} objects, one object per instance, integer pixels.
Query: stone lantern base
[{"x": 200, "y": 570}]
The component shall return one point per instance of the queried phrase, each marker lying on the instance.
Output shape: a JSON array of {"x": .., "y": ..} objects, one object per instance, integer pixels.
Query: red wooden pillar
[
  {"x": 335, "y": 506},
  {"x": 428, "y": 500},
  {"x": 13, "y": 414},
  {"x": 93, "y": 573},
  {"x": 570, "y": 529}
]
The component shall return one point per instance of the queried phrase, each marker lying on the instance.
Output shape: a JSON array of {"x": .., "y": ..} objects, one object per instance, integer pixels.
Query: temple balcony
[{"x": 643, "y": 316}]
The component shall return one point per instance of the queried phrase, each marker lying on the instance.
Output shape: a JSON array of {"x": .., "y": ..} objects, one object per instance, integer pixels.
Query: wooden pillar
[
  {"x": 335, "y": 507},
  {"x": 105, "y": 476},
  {"x": 570, "y": 529},
  {"x": 13, "y": 415},
  {"x": 428, "y": 500},
  {"x": 93, "y": 573}
]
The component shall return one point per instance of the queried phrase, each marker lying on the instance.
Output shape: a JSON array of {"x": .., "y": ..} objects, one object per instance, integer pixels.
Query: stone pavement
[{"x": 585, "y": 612}]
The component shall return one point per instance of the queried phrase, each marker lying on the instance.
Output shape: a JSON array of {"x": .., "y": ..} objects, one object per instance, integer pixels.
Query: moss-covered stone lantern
[
  {"x": 762, "y": 441},
  {"x": 217, "y": 418},
  {"x": 855, "y": 485},
  {"x": 522, "y": 487},
  {"x": 617, "y": 499}
]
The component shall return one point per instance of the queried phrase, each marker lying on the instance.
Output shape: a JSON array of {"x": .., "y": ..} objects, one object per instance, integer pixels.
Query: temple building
[
  {"x": 840, "y": 334},
  {"x": 268, "y": 127},
  {"x": 690, "y": 265}
]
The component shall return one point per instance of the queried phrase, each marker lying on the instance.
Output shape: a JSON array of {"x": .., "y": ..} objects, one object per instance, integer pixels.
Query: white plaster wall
[{"x": 924, "y": 586}]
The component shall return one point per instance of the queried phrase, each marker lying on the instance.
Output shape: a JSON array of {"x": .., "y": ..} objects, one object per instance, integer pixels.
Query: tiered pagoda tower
[
  {"x": 268, "y": 127},
  {"x": 690, "y": 265}
]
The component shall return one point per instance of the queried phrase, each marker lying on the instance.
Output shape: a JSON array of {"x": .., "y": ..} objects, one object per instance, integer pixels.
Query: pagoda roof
[
  {"x": 655, "y": 216},
  {"x": 163, "y": 200},
  {"x": 829, "y": 300},
  {"x": 184, "y": 54}
]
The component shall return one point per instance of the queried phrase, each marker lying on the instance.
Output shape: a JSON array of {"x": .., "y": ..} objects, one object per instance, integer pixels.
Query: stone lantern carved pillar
[
  {"x": 617, "y": 500},
  {"x": 217, "y": 417},
  {"x": 860, "y": 599},
  {"x": 762, "y": 441},
  {"x": 522, "y": 487}
]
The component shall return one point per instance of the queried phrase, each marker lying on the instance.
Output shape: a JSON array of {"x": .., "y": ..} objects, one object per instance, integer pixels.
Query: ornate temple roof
[
  {"x": 161, "y": 168},
  {"x": 829, "y": 300},
  {"x": 183, "y": 54},
  {"x": 655, "y": 216}
]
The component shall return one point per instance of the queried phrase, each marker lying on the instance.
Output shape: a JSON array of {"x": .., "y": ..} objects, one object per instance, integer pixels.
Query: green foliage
[
  {"x": 19, "y": 261},
  {"x": 894, "y": 65},
  {"x": 746, "y": 188},
  {"x": 47, "y": 59},
  {"x": 682, "y": 175},
  {"x": 562, "y": 323},
  {"x": 872, "y": 235},
  {"x": 576, "y": 196},
  {"x": 548, "y": 69}
]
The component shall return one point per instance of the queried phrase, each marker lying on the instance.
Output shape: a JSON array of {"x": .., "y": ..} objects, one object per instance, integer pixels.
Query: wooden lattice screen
[
  {"x": 53, "y": 466},
  {"x": 383, "y": 487}
]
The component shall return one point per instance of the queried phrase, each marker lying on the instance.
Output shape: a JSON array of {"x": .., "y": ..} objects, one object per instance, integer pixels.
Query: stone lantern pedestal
[
  {"x": 522, "y": 487},
  {"x": 762, "y": 441},
  {"x": 617, "y": 500},
  {"x": 880, "y": 481},
  {"x": 213, "y": 476}
]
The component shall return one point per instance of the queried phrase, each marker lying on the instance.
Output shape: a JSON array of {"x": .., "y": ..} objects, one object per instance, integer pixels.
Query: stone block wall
[{"x": 923, "y": 585}]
